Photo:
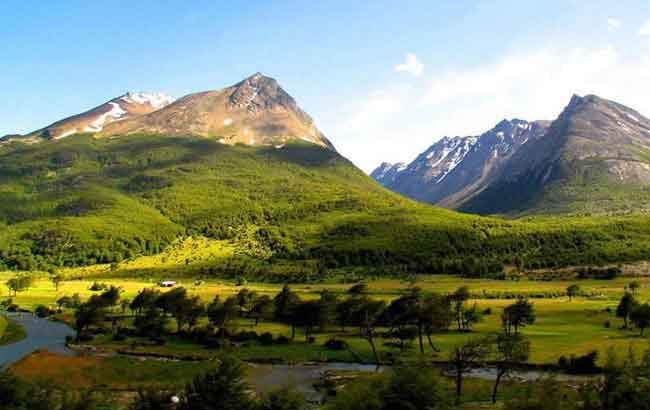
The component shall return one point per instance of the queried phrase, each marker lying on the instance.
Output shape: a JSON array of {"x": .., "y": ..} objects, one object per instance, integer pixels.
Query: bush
[
  {"x": 585, "y": 364},
  {"x": 266, "y": 339},
  {"x": 336, "y": 344},
  {"x": 282, "y": 340},
  {"x": 43, "y": 311},
  {"x": 607, "y": 324},
  {"x": 487, "y": 311},
  {"x": 245, "y": 336}
]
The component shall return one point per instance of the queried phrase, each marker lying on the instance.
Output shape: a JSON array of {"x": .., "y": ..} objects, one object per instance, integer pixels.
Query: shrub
[
  {"x": 336, "y": 344},
  {"x": 585, "y": 364},
  {"x": 43, "y": 311},
  {"x": 282, "y": 340},
  {"x": 266, "y": 339}
]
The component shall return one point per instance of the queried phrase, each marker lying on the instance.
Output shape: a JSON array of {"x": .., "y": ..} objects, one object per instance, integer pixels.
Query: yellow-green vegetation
[
  {"x": 10, "y": 331},
  {"x": 563, "y": 327}
]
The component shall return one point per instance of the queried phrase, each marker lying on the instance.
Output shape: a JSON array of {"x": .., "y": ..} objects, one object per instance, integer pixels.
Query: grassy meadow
[{"x": 562, "y": 327}]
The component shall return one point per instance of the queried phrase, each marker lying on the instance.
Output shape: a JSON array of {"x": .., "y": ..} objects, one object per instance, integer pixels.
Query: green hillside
[{"x": 296, "y": 209}]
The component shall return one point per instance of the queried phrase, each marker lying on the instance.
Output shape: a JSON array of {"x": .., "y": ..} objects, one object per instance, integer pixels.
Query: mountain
[
  {"x": 455, "y": 169},
  {"x": 255, "y": 112},
  {"x": 285, "y": 204},
  {"x": 594, "y": 158},
  {"x": 126, "y": 106}
]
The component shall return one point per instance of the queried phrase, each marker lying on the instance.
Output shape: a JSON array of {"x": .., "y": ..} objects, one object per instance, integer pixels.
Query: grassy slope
[{"x": 80, "y": 201}]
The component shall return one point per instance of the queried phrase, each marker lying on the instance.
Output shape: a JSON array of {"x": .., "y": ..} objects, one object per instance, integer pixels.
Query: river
[{"x": 41, "y": 334}]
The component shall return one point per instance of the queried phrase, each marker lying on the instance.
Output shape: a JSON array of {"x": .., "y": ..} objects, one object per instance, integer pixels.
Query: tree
[
  {"x": 285, "y": 398},
  {"x": 262, "y": 309},
  {"x": 626, "y": 305},
  {"x": 245, "y": 300},
  {"x": 124, "y": 305},
  {"x": 345, "y": 311},
  {"x": 511, "y": 350},
  {"x": 640, "y": 316},
  {"x": 458, "y": 298},
  {"x": 517, "y": 315},
  {"x": 169, "y": 300},
  {"x": 111, "y": 296},
  {"x": 572, "y": 291},
  {"x": 471, "y": 316},
  {"x": 56, "y": 279},
  {"x": 64, "y": 301},
  {"x": 145, "y": 299},
  {"x": 634, "y": 286},
  {"x": 223, "y": 388},
  {"x": 19, "y": 283},
  {"x": 186, "y": 310},
  {"x": 367, "y": 317},
  {"x": 464, "y": 357},
  {"x": 221, "y": 314},
  {"x": 285, "y": 303},
  {"x": 436, "y": 316},
  {"x": 326, "y": 309},
  {"x": 88, "y": 314},
  {"x": 415, "y": 388},
  {"x": 151, "y": 324}
]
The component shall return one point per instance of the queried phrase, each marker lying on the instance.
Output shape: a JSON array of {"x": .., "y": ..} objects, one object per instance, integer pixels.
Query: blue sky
[{"x": 383, "y": 79}]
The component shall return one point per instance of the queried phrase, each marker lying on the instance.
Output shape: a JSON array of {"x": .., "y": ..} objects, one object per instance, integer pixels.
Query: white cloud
[
  {"x": 411, "y": 65},
  {"x": 613, "y": 24},
  {"x": 644, "y": 30},
  {"x": 397, "y": 122}
]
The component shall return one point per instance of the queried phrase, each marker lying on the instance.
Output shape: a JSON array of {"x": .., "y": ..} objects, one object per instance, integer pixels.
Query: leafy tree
[
  {"x": 285, "y": 398},
  {"x": 634, "y": 286},
  {"x": 64, "y": 301},
  {"x": 245, "y": 300},
  {"x": 517, "y": 315},
  {"x": 285, "y": 303},
  {"x": 223, "y": 388},
  {"x": 416, "y": 388},
  {"x": 19, "y": 283},
  {"x": 367, "y": 316},
  {"x": 572, "y": 291},
  {"x": 458, "y": 298},
  {"x": 88, "y": 314},
  {"x": 640, "y": 316},
  {"x": 111, "y": 296},
  {"x": 511, "y": 350},
  {"x": 262, "y": 309},
  {"x": 145, "y": 299},
  {"x": 221, "y": 314},
  {"x": 471, "y": 316},
  {"x": 626, "y": 305},
  {"x": 464, "y": 357},
  {"x": 436, "y": 316},
  {"x": 57, "y": 279},
  {"x": 150, "y": 324}
]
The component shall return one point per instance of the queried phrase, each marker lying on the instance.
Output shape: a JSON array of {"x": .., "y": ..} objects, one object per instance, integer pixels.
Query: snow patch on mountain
[
  {"x": 115, "y": 113},
  {"x": 155, "y": 100}
]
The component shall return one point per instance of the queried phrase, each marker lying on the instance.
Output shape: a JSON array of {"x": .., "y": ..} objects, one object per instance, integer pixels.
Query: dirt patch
[{"x": 61, "y": 370}]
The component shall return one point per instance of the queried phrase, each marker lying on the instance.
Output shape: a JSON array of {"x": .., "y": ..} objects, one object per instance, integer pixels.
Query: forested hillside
[{"x": 81, "y": 200}]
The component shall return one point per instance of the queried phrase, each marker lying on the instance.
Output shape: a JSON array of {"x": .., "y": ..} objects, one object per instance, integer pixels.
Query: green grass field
[
  {"x": 563, "y": 327},
  {"x": 10, "y": 331}
]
